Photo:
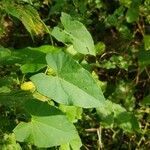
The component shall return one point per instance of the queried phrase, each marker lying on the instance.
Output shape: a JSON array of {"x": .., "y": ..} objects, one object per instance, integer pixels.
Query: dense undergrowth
[{"x": 74, "y": 74}]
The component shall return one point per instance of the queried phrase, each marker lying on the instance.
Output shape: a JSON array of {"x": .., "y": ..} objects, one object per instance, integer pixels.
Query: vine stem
[{"x": 85, "y": 147}]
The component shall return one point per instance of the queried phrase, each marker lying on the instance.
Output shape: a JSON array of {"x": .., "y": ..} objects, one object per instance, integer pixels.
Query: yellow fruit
[
  {"x": 51, "y": 71},
  {"x": 27, "y": 86}
]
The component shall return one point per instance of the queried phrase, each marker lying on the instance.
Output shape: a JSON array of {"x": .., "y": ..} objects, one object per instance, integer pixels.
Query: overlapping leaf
[
  {"x": 72, "y": 84},
  {"x": 48, "y": 126},
  {"x": 31, "y": 59},
  {"x": 74, "y": 32},
  {"x": 14, "y": 97}
]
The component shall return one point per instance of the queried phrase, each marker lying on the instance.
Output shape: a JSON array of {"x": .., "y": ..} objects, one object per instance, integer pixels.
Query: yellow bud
[{"x": 27, "y": 86}]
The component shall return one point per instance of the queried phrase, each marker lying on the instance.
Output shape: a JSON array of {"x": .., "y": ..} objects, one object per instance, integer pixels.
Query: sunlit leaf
[
  {"x": 74, "y": 32},
  {"x": 147, "y": 42},
  {"x": 72, "y": 85},
  {"x": 48, "y": 126},
  {"x": 73, "y": 113}
]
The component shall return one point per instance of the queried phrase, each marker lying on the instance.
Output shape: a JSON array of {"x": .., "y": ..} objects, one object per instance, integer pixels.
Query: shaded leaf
[
  {"x": 14, "y": 97},
  {"x": 113, "y": 113},
  {"x": 144, "y": 58},
  {"x": 26, "y": 68},
  {"x": 4, "y": 54},
  {"x": 146, "y": 100},
  {"x": 31, "y": 59},
  {"x": 132, "y": 15}
]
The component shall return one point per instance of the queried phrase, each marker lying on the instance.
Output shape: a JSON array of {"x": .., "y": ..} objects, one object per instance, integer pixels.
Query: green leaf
[
  {"x": 4, "y": 54},
  {"x": 146, "y": 100},
  {"x": 61, "y": 35},
  {"x": 126, "y": 3},
  {"x": 74, "y": 32},
  {"x": 144, "y": 58},
  {"x": 65, "y": 147},
  {"x": 27, "y": 55},
  {"x": 73, "y": 145},
  {"x": 106, "y": 114},
  {"x": 26, "y": 68},
  {"x": 73, "y": 113},
  {"x": 14, "y": 97},
  {"x": 132, "y": 14},
  {"x": 48, "y": 126},
  {"x": 147, "y": 42},
  {"x": 31, "y": 59},
  {"x": 113, "y": 113},
  {"x": 4, "y": 89},
  {"x": 100, "y": 48},
  {"x": 28, "y": 16},
  {"x": 115, "y": 19},
  {"x": 9, "y": 143},
  {"x": 125, "y": 32},
  {"x": 127, "y": 122},
  {"x": 72, "y": 85}
]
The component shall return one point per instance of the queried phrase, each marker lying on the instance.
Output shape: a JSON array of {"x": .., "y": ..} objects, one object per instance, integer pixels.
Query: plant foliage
[{"x": 70, "y": 68}]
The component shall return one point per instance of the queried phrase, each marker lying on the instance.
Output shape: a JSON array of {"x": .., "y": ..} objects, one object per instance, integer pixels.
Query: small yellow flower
[{"x": 28, "y": 86}]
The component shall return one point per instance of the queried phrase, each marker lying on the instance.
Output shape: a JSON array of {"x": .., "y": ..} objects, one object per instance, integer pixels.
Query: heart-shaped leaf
[
  {"x": 48, "y": 126},
  {"x": 72, "y": 85},
  {"x": 74, "y": 32}
]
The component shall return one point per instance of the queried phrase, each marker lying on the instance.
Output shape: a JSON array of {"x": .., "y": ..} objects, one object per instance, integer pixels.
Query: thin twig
[
  {"x": 99, "y": 133},
  {"x": 137, "y": 77},
  {"x": 140, "y": 28},
  {"x": 107, "y": 53},
  {"x": 91, "y": 130},
  {"x": 86, "y": 147}
]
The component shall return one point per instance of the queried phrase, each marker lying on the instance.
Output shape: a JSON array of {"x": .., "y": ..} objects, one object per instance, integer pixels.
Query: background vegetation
[{"x": 32, "y": 104}]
